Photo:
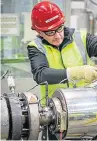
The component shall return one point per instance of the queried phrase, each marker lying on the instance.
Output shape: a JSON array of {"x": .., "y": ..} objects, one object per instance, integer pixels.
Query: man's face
[{"x": 54, "y": 37}]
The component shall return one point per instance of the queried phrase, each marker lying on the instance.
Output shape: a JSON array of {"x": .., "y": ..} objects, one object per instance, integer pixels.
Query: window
[{"x": 15, "y": 26}]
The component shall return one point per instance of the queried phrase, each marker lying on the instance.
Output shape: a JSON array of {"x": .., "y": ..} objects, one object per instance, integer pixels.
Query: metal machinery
[{"x": 70, "y": 114}]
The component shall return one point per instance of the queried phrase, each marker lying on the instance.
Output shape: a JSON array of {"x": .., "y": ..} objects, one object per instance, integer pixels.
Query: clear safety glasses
[{"x": 53, "y": 32}]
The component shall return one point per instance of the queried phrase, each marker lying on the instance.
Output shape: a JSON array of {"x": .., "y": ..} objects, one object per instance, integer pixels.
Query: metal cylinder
[
  {"x": 4, "y": 119},
  {"x": 46, "y": 116},
  {"x": 80, "y": 104},
  {"x": 33, "y": 115}
]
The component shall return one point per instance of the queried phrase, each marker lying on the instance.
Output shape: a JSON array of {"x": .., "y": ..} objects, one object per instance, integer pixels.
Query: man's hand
[{"x": 86, "y": 72}]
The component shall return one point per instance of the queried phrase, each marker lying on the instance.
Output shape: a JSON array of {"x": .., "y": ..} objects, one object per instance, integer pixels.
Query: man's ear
[{"x": 40, "y": 34}]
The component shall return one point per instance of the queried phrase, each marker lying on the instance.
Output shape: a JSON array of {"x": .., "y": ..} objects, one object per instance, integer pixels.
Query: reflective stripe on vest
[
  {"x": 80, "y": 45},
  {"x": 39, "y": 44},
  {"x": 60, "y": 60}
]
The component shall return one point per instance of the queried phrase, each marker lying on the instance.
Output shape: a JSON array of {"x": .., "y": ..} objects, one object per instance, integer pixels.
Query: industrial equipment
[{"x": 70, "y": 114}]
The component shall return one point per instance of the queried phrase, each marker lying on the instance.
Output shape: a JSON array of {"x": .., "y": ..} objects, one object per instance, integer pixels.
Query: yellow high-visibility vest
[{"x": 73, "y": 54}]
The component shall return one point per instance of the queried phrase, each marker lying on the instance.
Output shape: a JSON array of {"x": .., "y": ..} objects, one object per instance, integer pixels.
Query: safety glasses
[{"x": 53, "y": 32}]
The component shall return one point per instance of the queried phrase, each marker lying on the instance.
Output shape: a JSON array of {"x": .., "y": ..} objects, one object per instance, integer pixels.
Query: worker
[{"x": 59, "y": 55}]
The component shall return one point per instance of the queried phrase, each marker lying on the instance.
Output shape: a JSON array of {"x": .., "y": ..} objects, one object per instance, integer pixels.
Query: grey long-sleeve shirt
[{"x": 39, "y": 64}]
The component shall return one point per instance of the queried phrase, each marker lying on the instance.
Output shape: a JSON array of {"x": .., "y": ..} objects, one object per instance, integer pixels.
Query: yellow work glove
[{"x": 86, "y": 72}]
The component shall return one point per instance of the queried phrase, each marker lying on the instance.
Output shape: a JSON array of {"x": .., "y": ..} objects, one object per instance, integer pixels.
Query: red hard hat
[{"x": 46, "y": 16}]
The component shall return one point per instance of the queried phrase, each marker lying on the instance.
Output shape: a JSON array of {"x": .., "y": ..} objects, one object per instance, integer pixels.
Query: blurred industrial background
[{"x": 16, "y": 34}]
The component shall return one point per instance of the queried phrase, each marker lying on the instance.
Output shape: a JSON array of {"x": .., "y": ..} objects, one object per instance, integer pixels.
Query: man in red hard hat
[{"x": 59, "y": 53}]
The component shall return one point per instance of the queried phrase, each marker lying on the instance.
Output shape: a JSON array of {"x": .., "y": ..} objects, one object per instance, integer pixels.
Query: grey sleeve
[
  {"x": 91, "y": 45},
  {"x": 40, "y": 68}
]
